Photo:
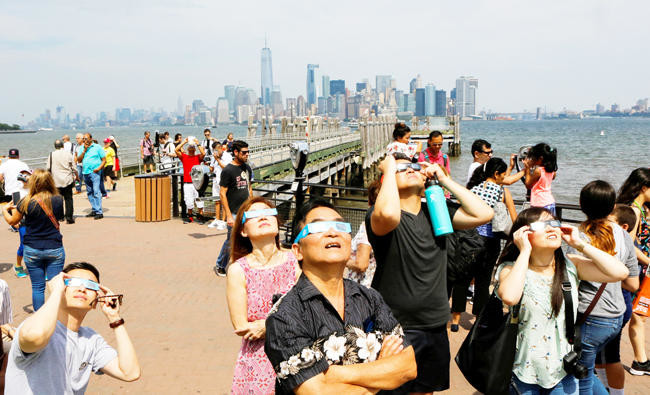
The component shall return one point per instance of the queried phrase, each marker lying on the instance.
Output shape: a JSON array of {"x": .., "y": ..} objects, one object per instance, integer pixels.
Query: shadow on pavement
[{"x": 5, "y": 267}]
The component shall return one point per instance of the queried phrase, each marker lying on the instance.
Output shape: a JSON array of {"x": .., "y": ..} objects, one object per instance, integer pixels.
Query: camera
[{"x": 571, "y": 365}]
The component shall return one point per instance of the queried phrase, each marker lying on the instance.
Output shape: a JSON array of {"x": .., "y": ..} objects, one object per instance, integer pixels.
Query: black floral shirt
[{"x": 305, "y": 334}]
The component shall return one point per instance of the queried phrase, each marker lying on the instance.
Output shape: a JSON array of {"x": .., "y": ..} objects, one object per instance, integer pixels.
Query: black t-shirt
[
  {"x": 40, "y": 232},
  {"x": 411, "y": 272},
  {"x": 236, "y": 179}
]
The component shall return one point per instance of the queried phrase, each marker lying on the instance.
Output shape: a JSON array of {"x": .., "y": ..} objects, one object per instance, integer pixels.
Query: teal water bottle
[{"x": 437, "y": 204}]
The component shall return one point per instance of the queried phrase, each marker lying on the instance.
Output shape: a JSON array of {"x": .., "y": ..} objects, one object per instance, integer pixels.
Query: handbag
[
  {"x": 501, "y": 222},
  {"x": 641, "y": 304},
  {"x": 487, "y": 354}
]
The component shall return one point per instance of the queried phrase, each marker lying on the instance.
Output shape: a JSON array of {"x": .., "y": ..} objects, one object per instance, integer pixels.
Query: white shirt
[
  {"x": 10, "y": 170},
  {"x": 473, "y": 166},
  {"x": 216, "y": 169}
]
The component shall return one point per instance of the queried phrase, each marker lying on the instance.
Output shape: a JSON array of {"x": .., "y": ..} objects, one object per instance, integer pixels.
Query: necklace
[{"x": 261, "y": 263}]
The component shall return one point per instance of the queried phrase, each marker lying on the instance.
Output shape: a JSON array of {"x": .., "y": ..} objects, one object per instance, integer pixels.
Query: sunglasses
[
  {"x": 323, "y": 226},
  {"x": 541, "y": 225},
  {"x": 405, "y": 166},
  {"x": 244, "y": 152},
  {"x": 81, "y": 282},
  {"x": 115, "y": 300},
  {"x": 487, "y": 152},
  {"x": 258, "y": 213}
]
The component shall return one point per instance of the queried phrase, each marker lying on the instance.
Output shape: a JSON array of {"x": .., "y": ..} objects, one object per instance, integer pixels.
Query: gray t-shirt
[
  {"x": 62, "y": 367},
  {"x": 611, "y": 303}
]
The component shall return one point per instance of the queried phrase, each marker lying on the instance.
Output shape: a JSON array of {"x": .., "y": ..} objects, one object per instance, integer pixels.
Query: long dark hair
[
  {"x": 632, "y": 187},
  {"x": 547, "y": 154},
  {"x": 597, "y": 202},
  {"x": 482, "y": 173},
  {"x": 400, "y": 130},
  {"x": 511, "y": 252},
  {"x": 241, "y": 246}
]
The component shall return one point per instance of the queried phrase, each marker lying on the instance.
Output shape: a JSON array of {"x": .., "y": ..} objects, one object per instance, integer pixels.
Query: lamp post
[{"x": 298, "y": 152}]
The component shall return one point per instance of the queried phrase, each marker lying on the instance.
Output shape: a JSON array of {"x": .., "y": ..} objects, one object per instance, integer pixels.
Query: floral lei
[{"x": 353, "y": 346}]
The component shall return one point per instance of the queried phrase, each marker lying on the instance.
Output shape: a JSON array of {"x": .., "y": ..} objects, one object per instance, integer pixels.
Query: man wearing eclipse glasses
[
  {"x": 51, "y": 351},
  {"x": 411, "y": 273},
  {"x": 328, "y": 334}
]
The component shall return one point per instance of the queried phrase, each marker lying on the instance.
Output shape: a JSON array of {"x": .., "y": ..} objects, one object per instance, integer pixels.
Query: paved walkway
[{"x": 174, "y": 306}]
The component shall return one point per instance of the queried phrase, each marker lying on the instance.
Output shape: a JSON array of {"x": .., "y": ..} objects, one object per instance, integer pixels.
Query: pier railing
[{"x": 352, "y": 202}]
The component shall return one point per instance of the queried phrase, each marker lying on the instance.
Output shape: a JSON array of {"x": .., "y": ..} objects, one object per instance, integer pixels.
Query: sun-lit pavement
[{"x": 174, "y": 305}]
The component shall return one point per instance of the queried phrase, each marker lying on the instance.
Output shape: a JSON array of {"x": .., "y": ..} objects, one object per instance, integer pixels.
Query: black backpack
[{"x": 463, "y": 250}]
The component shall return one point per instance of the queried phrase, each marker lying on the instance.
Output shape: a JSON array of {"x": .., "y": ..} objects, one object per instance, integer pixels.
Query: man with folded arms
[
  {"x": 327, "y": 334},
  {"x": 53, "y": 354}
]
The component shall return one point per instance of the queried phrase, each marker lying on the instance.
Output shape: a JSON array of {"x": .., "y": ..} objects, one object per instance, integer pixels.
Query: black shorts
[
  {"x": 432, "y": 356},
  {"x": 148, "y": 160},
  {"x": 108, "y": 172}
]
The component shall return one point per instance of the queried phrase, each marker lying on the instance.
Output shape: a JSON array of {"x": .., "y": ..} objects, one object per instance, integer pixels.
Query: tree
[{"x": 5, "y": 126}]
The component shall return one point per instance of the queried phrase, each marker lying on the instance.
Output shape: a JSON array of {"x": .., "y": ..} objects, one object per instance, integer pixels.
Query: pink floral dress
[{"x": 254, "y": 373}]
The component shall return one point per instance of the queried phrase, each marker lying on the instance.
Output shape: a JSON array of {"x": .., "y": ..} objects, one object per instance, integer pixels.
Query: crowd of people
[
  {"x": 360, "y": 314},
  {"x": 372, "y": 313}
]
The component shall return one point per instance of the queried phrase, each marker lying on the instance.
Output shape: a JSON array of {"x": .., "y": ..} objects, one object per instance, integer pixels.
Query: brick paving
[{"x": 174, "y": 307}]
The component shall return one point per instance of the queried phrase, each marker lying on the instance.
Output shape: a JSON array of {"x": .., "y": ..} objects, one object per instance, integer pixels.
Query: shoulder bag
[
  {"x": 501, "y": 222},
  {"x": 487, "y": 354},
  {"x": 48, "y": 213}
]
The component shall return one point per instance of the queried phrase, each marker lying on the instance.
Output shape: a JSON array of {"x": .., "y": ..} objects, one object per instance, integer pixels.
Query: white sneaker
[{"x": 214, "y": 224}]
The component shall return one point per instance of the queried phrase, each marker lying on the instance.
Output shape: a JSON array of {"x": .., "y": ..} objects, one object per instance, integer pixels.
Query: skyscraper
[
  {"x": 180, "y": 109},
  {"x": 415, "y": 83},
  {"x": 466, "y": 96},
  {"x": 441, "y": 103},
  {"x": 361, "y": 86},
  {"x": 419, "y": 102},
  {"x": 337, "y": 87},
  {"x": 429, "y": 100},
  {"x": 267, "y": 76},
  {"x": 326, "y": 86},
  {"x": 223, "y": 111},
  {"x": 229, "y": 94},
  {"x": 312, "y": 90},
  {"x": 383, "y": 84}
]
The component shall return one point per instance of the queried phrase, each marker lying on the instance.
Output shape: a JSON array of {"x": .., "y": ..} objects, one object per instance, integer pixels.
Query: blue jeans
[
  {"x": 81, "y": 178},
  {"x": 40, "y": 263},
  {"x": 568, "y": 385},
  {"x": 94, "y": 194},
  {"x": 595, "y": 332},
  {"x": 21, "y": 231},
  {"x": 102, "y": 189},
  {"x": 224, "y": 255}
]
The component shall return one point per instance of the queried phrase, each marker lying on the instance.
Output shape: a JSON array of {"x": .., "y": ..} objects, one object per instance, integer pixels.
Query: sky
[{"x": 97, "y": 56}]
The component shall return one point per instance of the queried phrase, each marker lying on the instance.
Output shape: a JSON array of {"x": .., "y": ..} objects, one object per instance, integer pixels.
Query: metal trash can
[{"x": 152, "y": 198}]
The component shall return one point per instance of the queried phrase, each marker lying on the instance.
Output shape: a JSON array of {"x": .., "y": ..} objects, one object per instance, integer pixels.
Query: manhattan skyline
[{"x": 92, "y": 58}]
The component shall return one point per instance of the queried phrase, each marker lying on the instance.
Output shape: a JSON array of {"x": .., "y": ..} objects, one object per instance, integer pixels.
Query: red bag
[
  {"x": 641, "y": 304},
  {"x": 116, "y": 166}
]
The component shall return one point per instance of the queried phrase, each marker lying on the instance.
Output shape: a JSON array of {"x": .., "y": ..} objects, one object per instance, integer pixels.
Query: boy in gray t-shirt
[{"x": 51, "y": 351}]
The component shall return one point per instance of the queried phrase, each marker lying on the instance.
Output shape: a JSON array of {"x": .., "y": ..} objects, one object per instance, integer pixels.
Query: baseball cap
[
  {"x": 13, "y": 153},
  {"x": 107, "y": 140}
]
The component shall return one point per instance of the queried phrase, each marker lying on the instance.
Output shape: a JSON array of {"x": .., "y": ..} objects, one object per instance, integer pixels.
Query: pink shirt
[
  {"x": 441, "y": 159},
  {"x": 540, "y": 194}
]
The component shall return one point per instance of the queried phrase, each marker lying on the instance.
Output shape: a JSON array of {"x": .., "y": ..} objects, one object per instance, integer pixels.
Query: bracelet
[
  {"x": 581, "y": 247},
  {"x": 117, "y": 323}
]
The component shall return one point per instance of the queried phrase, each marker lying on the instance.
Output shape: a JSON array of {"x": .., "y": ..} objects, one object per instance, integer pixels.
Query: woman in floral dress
[{"x": 260, "y": 269}]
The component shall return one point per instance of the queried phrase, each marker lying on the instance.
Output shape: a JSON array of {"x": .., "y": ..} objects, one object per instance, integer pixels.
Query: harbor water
[{"x": 588, "y": 149}]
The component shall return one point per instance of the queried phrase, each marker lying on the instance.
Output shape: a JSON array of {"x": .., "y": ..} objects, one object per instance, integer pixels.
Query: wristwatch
[{"x": 117, "y": 323}]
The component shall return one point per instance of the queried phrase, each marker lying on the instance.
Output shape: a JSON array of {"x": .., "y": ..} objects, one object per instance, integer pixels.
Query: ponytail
[
  {"x": 547, "y": 154},
  {"x": 601, "y": 234}
]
